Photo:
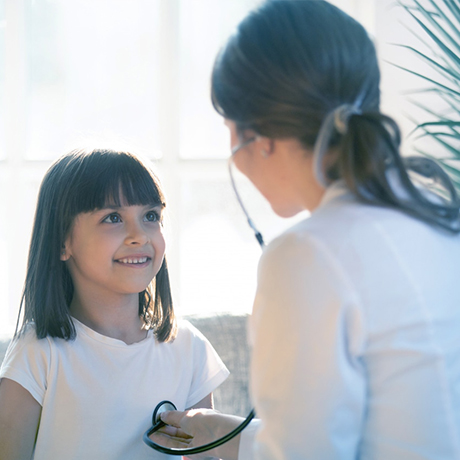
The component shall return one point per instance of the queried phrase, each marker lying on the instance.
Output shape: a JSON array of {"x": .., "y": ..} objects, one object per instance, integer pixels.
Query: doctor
[{"x": 355, "y": 330}]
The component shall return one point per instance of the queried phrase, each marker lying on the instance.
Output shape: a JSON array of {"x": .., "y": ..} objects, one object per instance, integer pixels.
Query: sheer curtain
[{"x": 131, "y": 74}]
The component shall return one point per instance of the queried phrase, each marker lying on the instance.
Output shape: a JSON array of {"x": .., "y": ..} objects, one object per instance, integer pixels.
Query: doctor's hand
[{"x": 196, "y": 427}]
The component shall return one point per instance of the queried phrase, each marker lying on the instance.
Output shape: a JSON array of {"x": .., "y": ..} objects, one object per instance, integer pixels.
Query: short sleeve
[
  {"x": 27, "y": 362},
  {"x": 208, "y": 369},
  {"x": 308, "y": 385}
]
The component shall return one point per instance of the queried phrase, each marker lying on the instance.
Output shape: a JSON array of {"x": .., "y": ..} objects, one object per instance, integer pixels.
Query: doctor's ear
[{"x": 265, "y": 146}]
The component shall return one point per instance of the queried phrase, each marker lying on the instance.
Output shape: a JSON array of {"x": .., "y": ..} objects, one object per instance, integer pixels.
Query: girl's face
[{"x": 115, "y": 250}]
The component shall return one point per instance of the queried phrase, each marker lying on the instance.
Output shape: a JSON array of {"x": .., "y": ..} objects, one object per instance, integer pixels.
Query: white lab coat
[{"x": 356, "y": 338}]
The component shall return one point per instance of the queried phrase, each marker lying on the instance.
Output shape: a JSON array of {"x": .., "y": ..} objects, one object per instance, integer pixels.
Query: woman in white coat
[{"x": 355, "y": 330}]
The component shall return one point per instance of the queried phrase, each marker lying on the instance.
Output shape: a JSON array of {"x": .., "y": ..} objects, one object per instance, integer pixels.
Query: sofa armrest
[{"x": 228, "y": 335}]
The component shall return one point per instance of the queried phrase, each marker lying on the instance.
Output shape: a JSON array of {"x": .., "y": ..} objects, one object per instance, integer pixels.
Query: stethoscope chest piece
[{"x": 163, "y": 406}]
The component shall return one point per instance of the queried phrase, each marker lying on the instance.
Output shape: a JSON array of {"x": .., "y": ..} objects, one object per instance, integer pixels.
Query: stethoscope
[{"x": 164, "y": 406}]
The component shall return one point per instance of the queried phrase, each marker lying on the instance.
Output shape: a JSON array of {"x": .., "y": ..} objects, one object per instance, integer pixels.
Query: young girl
[{"x": 99, "y": 345}]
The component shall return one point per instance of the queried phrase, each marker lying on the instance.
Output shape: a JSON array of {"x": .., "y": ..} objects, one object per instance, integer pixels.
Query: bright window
[{"x": 132, "y": 73}]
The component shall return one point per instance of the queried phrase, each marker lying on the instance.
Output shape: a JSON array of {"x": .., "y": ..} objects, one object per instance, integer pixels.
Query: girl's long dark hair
[
  {"x": 83, "y": 181},
  {"x": 293, "y": 62}
]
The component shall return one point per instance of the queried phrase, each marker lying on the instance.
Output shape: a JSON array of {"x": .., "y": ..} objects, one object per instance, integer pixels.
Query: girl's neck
[{"x": 117, "y": 319}]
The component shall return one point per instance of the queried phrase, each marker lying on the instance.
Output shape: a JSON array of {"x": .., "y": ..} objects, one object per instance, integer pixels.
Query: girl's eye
[
  {"x": 152, "y": 216},
  {"x": 112, "y": 219}
]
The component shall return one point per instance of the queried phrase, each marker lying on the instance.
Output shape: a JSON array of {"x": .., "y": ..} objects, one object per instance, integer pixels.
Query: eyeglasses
[
  {"x": 236, "y": 149},
  {"x": 242, "y": 145}
]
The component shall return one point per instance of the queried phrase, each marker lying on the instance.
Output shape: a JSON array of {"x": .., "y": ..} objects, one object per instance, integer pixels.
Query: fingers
[
  {"x": 170, "y": 441},
  {"x": 173, "y": 418},
  {"x": 174, "y": 432}
]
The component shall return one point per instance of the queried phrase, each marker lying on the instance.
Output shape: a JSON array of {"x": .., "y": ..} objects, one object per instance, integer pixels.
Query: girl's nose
[{"x": 136, "y": 234}]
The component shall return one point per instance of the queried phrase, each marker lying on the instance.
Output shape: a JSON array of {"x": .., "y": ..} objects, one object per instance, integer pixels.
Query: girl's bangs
[{"x": 116, "y": 180}]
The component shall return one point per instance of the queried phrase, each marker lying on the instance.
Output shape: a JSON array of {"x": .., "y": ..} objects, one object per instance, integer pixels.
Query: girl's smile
[{"x": 134, "y": 260}]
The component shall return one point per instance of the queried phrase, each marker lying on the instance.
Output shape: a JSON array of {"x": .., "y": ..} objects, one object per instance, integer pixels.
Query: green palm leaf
[
  {"x": 437, "y": 26},
  {"x": 443, "y": 69}
]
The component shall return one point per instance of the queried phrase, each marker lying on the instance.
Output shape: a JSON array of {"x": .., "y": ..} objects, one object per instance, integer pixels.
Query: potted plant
[{"x": 436, "y": 24}]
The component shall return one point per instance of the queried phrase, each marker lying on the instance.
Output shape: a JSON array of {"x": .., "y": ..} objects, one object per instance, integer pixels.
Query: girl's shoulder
[
  {"x": 26, "y": 342},
  {"x": 187, "y": 334},
  {"x": 27, "y": 361}
]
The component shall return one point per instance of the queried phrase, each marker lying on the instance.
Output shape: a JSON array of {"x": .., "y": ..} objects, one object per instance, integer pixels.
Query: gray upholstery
[{"x": 227, "y": 334}]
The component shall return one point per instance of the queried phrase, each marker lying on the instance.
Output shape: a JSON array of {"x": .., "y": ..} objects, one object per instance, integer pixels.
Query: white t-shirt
[
  {"x": 98, "y": 393},
  {"x": 356, "y": 339}
]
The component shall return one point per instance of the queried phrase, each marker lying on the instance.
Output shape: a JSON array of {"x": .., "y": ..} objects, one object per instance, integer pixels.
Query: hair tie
[
  {"x": 336, "y": 119},
  {"x": 342, "y": 115}
]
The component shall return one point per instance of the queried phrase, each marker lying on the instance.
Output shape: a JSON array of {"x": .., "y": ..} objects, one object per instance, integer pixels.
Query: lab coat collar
[{"x": 334, "y": 191}]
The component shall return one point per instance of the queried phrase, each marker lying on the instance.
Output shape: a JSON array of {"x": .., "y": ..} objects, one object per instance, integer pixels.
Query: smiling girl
[{"x": 99, "y": 345}]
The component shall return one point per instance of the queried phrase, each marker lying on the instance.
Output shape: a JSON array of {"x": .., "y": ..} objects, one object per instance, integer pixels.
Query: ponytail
[{"x": 370, "y": 164}]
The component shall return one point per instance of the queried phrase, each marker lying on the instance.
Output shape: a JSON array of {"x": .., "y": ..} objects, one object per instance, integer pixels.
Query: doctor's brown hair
[
  {"x": 83, "y": 181},
  {"x": 289, "y": 65}
]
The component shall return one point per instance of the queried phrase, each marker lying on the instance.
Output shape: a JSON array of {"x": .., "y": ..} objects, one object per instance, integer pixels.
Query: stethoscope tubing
[
  {"x": 251, "y": 224},
  {"x": 156, "y": 425}
]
